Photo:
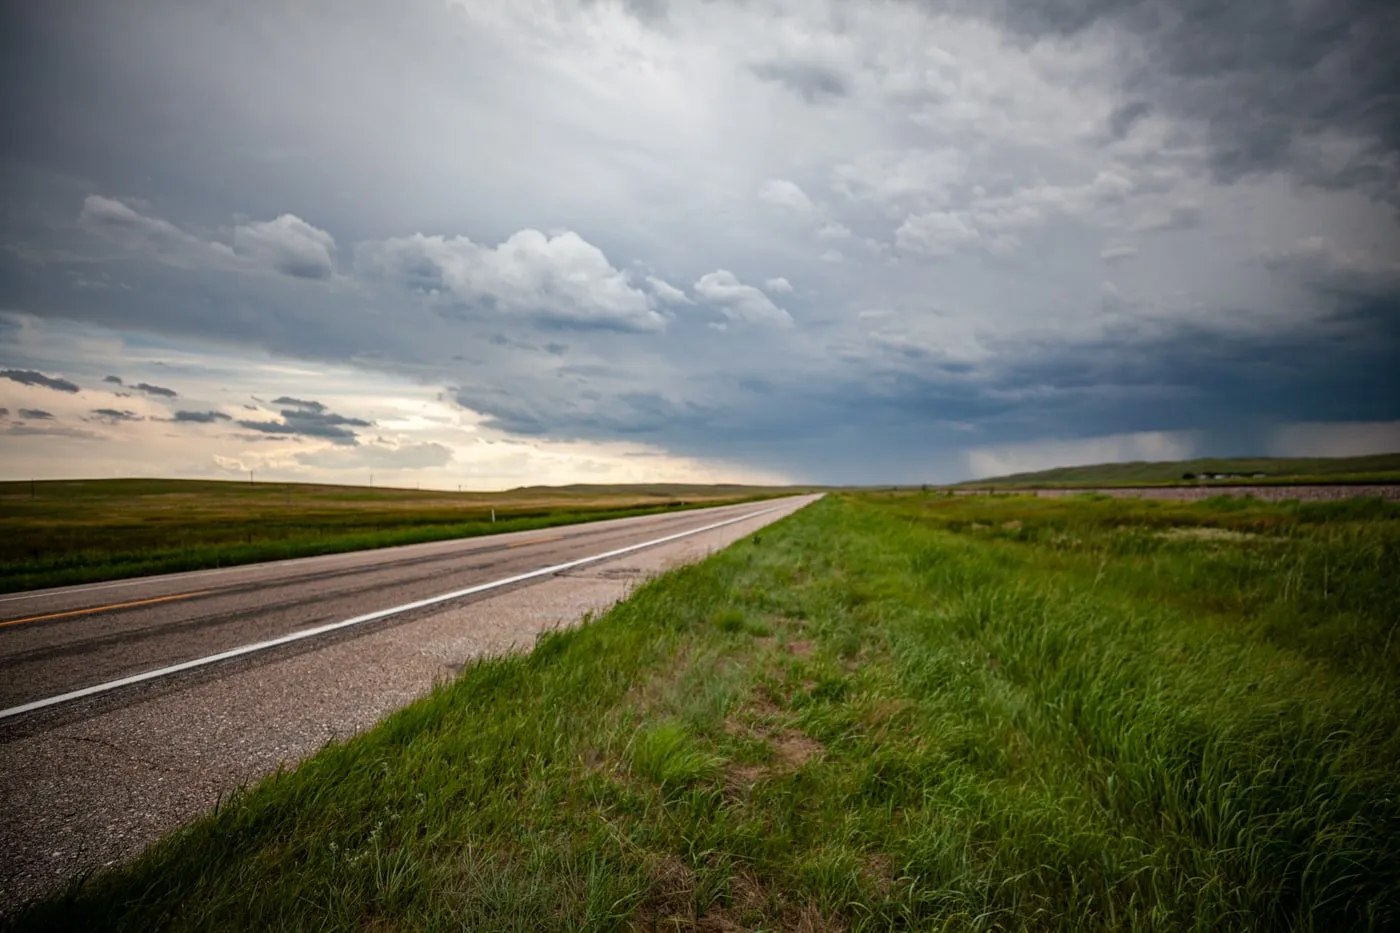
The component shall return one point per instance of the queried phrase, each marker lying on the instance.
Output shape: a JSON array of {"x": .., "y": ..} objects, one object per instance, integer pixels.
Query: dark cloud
[
  {"x": 1339, "y": 277},
  {"x": 90, "y": 101},
  {"x": 149, "y": 389},
  {"x": 113, "y": 416},
  {"x": 1266, "y": 78},
  {"x": 31, "y": 378},
  {"x": 1121, "y": 121},
  {"x": 120, "y": 223},
  {"x": 813, "y": 81},
  {"x": 35, "y": 414},
  {"x": 4, "y": 413},
  {"x": 200, "y": 417},
  {"x": 302, "y": 403},
  {"x": 115, "y": 380},
  {"x": 1181, "y": 217},
  {"x": 288, "y": 245},
  {"x": 647, "y": 11},
  {"x": 309, "y": 419}
]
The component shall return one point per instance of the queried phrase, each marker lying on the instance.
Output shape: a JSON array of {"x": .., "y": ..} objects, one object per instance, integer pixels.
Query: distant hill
[{"x": 1375, "y": 468}]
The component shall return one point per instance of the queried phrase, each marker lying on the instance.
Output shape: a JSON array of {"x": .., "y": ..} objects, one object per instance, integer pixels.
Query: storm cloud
[
  {"x": 830, "y": 241},
  {"x": 811, "y": 80},
  {"x": 200, "y": 417},
  {"x": 158, "y": 391},
  {"x": 308, "y": 419},
  {"x": 115, "y": 416},
  {"x": 1308, "y": 88}
]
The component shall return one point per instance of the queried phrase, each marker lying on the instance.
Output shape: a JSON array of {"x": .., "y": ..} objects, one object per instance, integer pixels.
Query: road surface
[
  {"x": 87, "y": 782},
  {"x": 57, "y": 641}
]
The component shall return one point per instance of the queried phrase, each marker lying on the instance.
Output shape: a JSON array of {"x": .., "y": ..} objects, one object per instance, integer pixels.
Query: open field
[
  {"x": 79, "y": 531},
  {"x": 887, "y": 711},
  {"x": 1377, "y": 468}
]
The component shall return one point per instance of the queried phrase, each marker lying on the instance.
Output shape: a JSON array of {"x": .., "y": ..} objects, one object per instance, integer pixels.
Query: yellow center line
[
  {"x": 536, "y": 541},
  {"x": 83, "y": 612}
]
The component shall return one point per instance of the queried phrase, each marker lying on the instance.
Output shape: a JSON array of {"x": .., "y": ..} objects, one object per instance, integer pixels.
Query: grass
[
  {"x": 1374, "y": 468},
  {"x": 885, "y": 712},
  {"x": 79, "y": 531}
]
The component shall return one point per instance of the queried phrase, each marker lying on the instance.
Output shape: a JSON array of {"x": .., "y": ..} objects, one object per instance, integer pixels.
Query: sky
[{"x": 493, "y": 243}]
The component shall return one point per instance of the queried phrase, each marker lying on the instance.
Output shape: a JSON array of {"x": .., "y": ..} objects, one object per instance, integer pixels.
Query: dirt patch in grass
[
  {"x": 800, "y": 648},
  {"x": 754, "y": 906},
  {"x": 790, "y": 748},
  {"x": 879, "y": 871},
  {"x": 794, "y": 749},
  {"x": 670, "y": 903}
]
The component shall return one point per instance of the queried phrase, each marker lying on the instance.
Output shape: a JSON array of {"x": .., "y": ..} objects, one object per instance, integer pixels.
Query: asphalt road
[
  {"x": 88, "y": 784},
  {"x": 56, "y": 641}
]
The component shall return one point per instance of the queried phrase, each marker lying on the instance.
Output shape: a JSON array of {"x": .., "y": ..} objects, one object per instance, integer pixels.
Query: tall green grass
[{"x": 898, "y": 712}]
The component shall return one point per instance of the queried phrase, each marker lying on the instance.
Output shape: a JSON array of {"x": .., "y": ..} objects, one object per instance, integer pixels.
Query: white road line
[{"x": 357, "y": 620}]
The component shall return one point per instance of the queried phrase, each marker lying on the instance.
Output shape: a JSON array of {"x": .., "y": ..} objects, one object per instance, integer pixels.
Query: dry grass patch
[
  {"x": 794, "y": 749},
  {"x": 800, "y": 648},
  {"x": 1207, "y": 534},
  {"x": 761, "y": 720}
]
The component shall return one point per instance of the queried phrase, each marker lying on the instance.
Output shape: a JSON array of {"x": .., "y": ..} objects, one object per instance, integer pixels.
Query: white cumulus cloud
[
  {"x": 289, "y": 245},
  {"x": 559, "y": 278},
  {"x": 786, "y": 194},
  {"x": 739, "y": 302}
]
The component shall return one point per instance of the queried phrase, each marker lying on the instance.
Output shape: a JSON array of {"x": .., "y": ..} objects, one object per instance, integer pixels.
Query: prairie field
[
  {"x": 886, "y": 712},
  {"x": 1370, "y": 468},
  {"x": 60, "y": 532}
]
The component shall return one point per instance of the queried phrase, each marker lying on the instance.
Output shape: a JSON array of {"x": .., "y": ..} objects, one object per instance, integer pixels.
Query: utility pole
[
  {"x": 250, "y": 477},
  {"x": 371, "y": 481}
]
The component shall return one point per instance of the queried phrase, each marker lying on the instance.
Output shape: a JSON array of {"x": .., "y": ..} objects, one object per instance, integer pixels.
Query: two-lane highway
[
  {"x": 88, "y": 782},
  {"x": 54, "y": 642}
]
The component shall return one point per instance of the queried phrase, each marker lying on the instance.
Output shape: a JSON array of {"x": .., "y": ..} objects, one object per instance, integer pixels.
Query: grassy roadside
[
  {"x": 66, "y": 532},
  {"x": 886, "y": 712}
]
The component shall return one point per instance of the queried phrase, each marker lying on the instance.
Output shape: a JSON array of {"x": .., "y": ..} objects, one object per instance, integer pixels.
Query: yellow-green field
[{"x": 74, "y": 531}]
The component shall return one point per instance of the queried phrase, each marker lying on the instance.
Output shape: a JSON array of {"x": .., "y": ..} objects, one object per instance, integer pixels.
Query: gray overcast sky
[{"x": 497, "y": 243}]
